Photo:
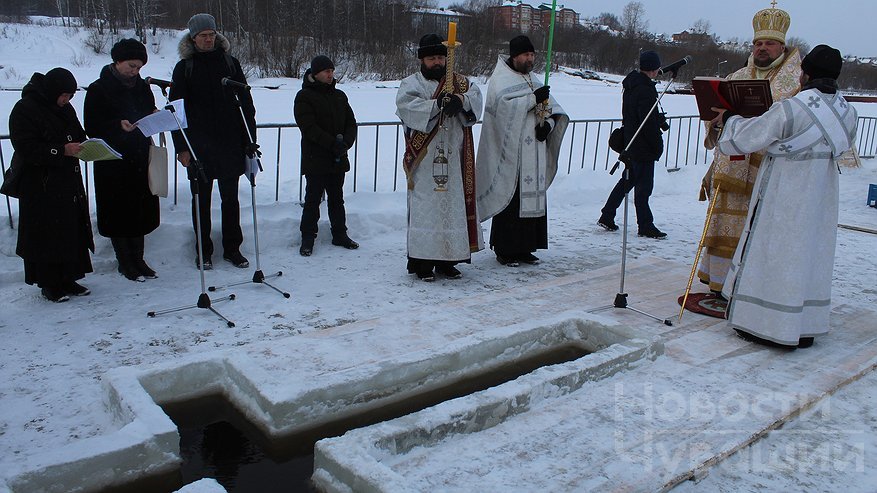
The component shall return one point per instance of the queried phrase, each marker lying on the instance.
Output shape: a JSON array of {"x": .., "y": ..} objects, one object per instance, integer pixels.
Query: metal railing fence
[{"x": 375, "y": 158}]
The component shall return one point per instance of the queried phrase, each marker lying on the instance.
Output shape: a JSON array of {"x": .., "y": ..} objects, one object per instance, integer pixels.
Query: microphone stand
[
  {"x": 621, "y": 296},
  {"x": 258, "y": 276},
  {"x": 204, "y": 300}
]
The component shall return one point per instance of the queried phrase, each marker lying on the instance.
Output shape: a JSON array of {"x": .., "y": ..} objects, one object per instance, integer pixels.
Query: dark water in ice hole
[{"x": 217, "y": 441}]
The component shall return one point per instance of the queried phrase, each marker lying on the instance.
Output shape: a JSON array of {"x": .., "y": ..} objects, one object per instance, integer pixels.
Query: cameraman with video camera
[{"x": 638, "y": 99}]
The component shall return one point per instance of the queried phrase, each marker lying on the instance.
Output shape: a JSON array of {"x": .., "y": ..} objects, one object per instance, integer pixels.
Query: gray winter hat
[{"x": 201, "y": 22}]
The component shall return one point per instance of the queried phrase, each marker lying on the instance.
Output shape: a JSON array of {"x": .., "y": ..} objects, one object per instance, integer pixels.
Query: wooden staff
[{"x": 709, "y": 215}]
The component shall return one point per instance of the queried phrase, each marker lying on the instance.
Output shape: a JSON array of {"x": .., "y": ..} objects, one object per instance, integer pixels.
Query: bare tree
[
  {"x": 796, "y": 42},
  {"x": 633, "y": 19},
  {"x": 143, "y": 15},
  {"x": 610, "y": 20},
  {"x": 701, "y": 26},
  {"x": 63, "y": 7}
]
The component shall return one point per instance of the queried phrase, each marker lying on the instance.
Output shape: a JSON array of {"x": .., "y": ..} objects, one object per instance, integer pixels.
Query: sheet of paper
[
  {"x": 163, "y": 120},
  {"x": 97, "y": 150}
]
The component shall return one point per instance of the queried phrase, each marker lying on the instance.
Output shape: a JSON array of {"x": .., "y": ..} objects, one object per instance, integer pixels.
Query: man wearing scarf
[
  {"x": 779, "y": 283},
  {"x": 517, "y": 156},
  {"x": 443, "y": 226}
]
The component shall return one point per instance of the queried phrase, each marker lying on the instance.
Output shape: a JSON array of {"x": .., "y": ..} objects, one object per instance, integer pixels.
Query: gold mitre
[{"x": 771, "y": 23}]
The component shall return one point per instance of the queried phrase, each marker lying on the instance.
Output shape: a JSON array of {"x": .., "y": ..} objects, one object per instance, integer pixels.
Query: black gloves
[
  {"x": 542, "y": 131},
  {"x": 541, "y": 94},
  {"x": 451, "y": 107},
  {"x": 339, "y": 148},
  {"x": 252, "y": 150}
]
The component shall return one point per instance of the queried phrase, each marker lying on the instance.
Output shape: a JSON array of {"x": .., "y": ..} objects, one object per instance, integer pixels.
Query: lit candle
[{"x": 452, "y": 33}]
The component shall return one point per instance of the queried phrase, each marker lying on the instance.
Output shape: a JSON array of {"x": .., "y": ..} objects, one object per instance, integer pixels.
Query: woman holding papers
[
  {"x": 54, "y": 232},
  {"x": 126, "y": 208}
]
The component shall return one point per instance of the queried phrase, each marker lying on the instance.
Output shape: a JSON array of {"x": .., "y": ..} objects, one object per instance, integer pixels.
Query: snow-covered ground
[{"x": 55, "y": 355}]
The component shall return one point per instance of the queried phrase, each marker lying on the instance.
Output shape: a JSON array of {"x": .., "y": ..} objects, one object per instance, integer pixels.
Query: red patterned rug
[{"x": 706, "y": 304}]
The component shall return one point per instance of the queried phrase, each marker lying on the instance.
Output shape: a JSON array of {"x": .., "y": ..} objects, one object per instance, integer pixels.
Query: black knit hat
[
  {"x": 823, "y": 62},
  {"x": 320, "y": 63},
  {"x": 649, "y": 60},
  {"x": 58, "y": 81},
  {"x": 520, "y": 44},
  {"x": 431, "y": 44},
  {"x": 129, "y": 49}
]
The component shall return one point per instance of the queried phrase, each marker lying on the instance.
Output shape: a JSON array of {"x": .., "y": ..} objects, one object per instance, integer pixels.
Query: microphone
[
  {"x": 234, "y": 84},
  {"x": 675, "y": 66},
  {"x": 164, "y": 84}
]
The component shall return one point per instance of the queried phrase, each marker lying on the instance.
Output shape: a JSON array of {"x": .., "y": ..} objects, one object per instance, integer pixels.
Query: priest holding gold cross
[{"x": 438, "y": 108}]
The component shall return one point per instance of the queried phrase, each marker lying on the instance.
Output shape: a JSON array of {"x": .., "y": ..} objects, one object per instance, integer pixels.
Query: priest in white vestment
[
  {"x": 520, "y": 141},
  {"x": 443, "y": 225},
  {"x": 779, "y": 283}
]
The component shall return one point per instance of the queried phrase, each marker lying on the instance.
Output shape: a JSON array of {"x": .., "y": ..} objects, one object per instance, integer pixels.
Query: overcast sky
[{"x": 848, "y": 25}]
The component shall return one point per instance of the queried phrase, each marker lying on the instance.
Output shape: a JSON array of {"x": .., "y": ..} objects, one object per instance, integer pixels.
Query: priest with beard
[
  {"x": 443, "y": 226},
  {"x": 517, "y": 156}
]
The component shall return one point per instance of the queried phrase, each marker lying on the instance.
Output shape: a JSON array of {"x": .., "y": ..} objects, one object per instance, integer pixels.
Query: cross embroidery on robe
[{"x": 814, "y": 102}]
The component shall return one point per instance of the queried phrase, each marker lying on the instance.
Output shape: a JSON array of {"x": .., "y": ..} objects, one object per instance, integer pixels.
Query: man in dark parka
[
  {"x": 328, "y": 130},
  {"x": 639, "y": 97},
  {"x": 126, "y": 208},
  {"x": 216, "y": 130},
  {"x": 54, "y": 233}
]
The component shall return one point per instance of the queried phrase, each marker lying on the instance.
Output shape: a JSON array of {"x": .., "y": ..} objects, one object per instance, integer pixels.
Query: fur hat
[
  {"x": 823, "y": 62},
  {"x": 320, "y": 63},
  {"x": 129, "y": 49},
  {"x": 430, "y": 45},
  {"x": 58, "y": 81},
  {"x": 649, "y": 60},
  {"x": 201, "y": 22},
  {"x": 520, "y": 44}
]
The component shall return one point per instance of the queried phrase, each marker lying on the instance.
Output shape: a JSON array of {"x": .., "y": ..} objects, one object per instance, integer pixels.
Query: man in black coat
[
  {"x": 54, "y": 232},
  {"x": 216, "y": 130},
  {"x": 639, "y": 97},
  {"x": 328, "y": 130}
]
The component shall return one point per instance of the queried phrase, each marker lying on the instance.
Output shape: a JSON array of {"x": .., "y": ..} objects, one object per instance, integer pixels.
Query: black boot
[
  {"x": 307, "y": 245},
  {"x": 124, "y": 255},
  {"x": 137, "y": 258}
]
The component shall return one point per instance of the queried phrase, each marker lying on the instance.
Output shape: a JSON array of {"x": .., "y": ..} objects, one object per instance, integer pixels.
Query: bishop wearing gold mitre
[
  {"x": 730, "y": 179},
  {"x": 734, "y": 176}
]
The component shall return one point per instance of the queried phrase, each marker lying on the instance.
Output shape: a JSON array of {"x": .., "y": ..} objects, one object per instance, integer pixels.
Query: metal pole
[{"x": 550, "y": 41}]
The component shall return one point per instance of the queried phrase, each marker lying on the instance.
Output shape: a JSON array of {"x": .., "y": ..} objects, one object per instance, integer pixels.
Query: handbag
[
  {"x": 157, "y": 175},
  {"x": 12, "y": 178},
  {"x": 616, "y": 140}
]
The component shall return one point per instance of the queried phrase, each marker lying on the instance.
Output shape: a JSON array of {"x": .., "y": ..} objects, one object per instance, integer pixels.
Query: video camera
[{"x": 662, "y": 122}]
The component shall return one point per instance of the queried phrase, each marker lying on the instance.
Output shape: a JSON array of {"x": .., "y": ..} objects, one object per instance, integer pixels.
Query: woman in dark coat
[
  {"x": 54, "y": 233},
  {"x": 126, "y": 208}
]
